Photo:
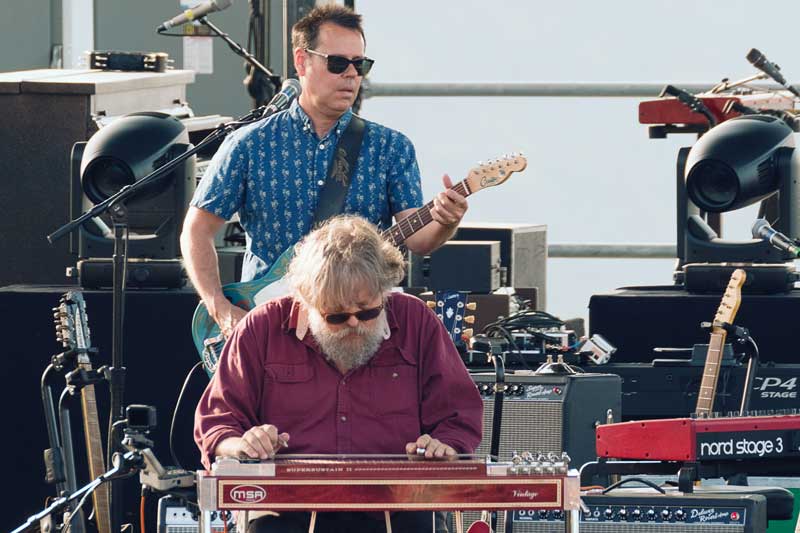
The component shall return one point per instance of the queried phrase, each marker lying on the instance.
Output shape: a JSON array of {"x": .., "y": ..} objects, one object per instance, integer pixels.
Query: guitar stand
[
  {"x": 59, "y": 460},
  {"x": 742, "y": 336}
]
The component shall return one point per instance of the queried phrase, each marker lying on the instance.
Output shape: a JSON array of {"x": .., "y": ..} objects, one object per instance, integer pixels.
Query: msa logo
[
  {"x": 248, "y": 494},
  {"x": 773, "y": 387}
]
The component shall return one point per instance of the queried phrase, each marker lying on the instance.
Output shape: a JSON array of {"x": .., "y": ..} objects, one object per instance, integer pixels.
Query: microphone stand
[
  {"x": 115, "y": 206},
  {"x": 129, "y": 463},
  {"x": 243, "y": 53}
]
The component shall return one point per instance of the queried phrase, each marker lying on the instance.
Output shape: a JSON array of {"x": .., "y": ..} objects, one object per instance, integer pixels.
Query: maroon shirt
[{"x": 416, "y": 383}]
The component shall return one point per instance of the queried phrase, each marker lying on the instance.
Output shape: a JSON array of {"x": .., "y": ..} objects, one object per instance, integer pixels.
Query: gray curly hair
[{"x": 343, "y": 256}]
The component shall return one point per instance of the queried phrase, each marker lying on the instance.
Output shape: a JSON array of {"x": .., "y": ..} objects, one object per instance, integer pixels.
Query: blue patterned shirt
[{"x": 272, "y": 173}]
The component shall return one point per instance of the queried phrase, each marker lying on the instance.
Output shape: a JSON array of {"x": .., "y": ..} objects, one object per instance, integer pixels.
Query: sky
[{"x": 593, "y": 174}]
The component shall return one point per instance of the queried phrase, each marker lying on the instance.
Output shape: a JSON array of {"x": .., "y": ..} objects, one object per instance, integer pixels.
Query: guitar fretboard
[
  {"x": 708, "y": 385},
  {"x": 416, "y": 221}
]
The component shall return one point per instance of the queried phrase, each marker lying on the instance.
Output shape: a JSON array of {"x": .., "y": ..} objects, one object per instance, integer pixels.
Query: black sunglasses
[
  {"x": 338, "y": 64},
  {"x": 363, "y": 316}
]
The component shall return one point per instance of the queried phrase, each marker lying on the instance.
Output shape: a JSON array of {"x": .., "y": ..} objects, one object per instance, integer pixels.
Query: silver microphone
[
  {"x": 195, "y": 13},
  {"x": 762, "y": 230},
  {"x": 291, "y": 88}
]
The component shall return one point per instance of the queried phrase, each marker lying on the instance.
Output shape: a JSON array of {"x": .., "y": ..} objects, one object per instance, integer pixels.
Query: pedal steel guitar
[{"x": 391, "y": 483}]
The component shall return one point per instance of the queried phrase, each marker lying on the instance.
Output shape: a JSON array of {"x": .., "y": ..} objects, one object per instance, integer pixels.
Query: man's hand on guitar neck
[{"x": 448, "y": 209}]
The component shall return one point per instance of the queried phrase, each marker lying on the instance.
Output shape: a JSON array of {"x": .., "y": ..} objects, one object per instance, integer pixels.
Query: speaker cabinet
[{"x": 523, "y": 252}]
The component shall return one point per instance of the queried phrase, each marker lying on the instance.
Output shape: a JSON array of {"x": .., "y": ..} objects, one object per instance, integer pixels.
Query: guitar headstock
[
  {"x": 495, "y": 171},
  {"x": 732, "y": 298},
  {"x": 451, "y": 308},
  {"x": 72, "y": 325}
]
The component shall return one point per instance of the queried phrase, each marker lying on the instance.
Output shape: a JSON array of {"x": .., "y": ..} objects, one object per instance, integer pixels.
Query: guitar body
[{"x": 208, "y": 338}]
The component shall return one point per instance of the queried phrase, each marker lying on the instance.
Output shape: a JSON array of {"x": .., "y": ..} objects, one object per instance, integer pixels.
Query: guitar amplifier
[
  {"x": 548, "y": 413},
  {"x": 625, "y": 511}
]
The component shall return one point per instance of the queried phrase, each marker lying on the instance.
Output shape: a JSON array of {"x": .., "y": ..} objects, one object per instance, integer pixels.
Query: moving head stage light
[
  {"x": 742, "y": 161},
  {"x": 120, "y": 154}
]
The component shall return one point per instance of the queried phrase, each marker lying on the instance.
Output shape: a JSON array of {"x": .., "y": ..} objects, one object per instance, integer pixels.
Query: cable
[
  {"x": 141, "y": 510},
  {"x": 175, "y": 414},
  {"x": 529, "y": 322},
  {"x": 95, "y": 483}
]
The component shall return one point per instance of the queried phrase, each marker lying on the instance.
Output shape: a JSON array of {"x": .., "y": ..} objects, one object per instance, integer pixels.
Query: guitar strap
[{"x": 341, "y": 172}]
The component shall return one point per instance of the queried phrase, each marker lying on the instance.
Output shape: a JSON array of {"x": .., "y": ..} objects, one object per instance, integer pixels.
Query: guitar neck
[
  {"x": 94, "y": 445},
  {"x": 407, "y": 227},
  {"x": 708, "y": 385}
]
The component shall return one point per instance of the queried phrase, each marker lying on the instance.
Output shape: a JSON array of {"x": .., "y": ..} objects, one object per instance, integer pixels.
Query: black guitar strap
[{"x": 341, "y": 172}]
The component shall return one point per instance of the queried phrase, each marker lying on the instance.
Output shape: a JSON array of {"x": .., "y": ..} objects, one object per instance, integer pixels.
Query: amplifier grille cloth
[{"x": 527, "y": 426}]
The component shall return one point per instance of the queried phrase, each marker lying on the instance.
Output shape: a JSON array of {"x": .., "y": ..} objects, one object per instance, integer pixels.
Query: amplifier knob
[
  {"x": 623, "y": 514},
  {"x": 665, "y": 514},
  {"x": 609, "y": 513},
  {"x": 637, "y": 514},
  {"x": 557, "y": 514},
  {"x": 651, "y": 514},
  {"x": 679, "y": 514},
  {"x": 543, "y": 514}
]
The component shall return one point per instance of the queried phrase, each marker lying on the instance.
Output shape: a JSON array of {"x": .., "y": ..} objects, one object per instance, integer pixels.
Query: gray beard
[{"x": 348, "y": 353}]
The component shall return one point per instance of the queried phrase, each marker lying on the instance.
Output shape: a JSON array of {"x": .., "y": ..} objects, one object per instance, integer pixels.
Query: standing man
[
  {"x": 271, "y": 173},
  {"x": 342, "y": 366}
]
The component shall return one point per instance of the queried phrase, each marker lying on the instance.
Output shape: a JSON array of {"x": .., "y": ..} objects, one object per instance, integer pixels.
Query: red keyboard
[
  {"x": 702, "y": 439},
  {"x": 672, "y": 111}
]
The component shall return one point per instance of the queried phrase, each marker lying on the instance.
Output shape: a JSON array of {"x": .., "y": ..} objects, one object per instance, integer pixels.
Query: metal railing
[
  {"x": 607, "y": 250},
  {"x": 537, "y": 89}
]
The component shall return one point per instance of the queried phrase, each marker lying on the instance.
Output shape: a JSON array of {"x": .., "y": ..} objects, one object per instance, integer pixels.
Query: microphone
[
  {"x": 759, "y": 60},
  {"x": 694, "y": 103},
  {"x": 762, "y": 230},
  {"x": 197, "y": 12},
  {"x": 291, "y": 88}
]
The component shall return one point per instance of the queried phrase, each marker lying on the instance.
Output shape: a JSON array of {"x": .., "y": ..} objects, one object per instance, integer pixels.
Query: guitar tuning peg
[
  {"x": 467, "y": 333},
  {"x": 430, "y": 304},
  {"x": 472, "y": 306},
  {"x": 469, "y": 319}
]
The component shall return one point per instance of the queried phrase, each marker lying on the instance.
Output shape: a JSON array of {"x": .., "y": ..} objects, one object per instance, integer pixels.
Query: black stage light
[
  {"x": 742, "y": 161},
  {"x": 735, "y": 164},
  {"x": 120, "y": 154}
]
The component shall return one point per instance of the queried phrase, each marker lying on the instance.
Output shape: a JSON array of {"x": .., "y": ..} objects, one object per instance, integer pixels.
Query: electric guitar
[
  {"x": 72, "y": 330},
  {"x": 208, "y": 338},
  {"x": 725, "y": 313}
]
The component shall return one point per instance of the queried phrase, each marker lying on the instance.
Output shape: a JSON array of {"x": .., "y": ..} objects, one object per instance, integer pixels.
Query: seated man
[{"x": 342, "y": 366}]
